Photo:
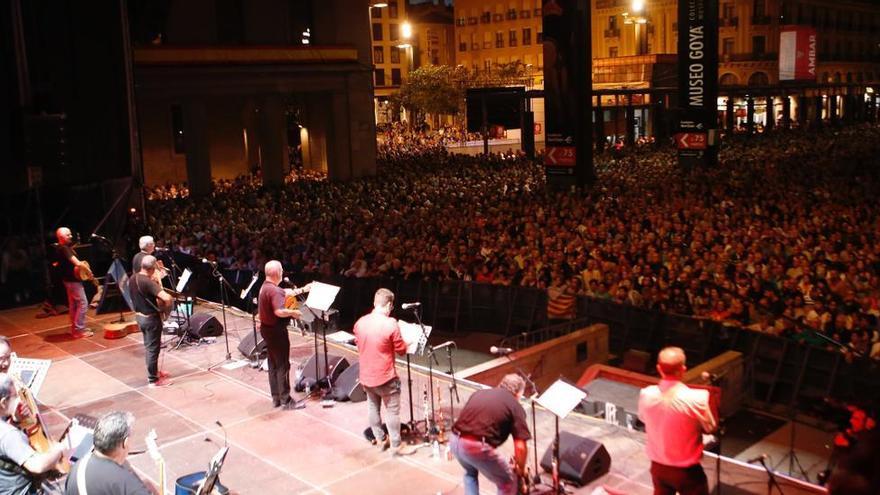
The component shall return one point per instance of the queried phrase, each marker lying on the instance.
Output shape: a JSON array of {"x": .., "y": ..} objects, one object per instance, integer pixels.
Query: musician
[
  {"x": 22, "y": 469},
  {"x": 147, "y": 246},
  {"x": 675, "y": 417},
  {"x": 107, "y": 470},
  {"x": 149, "y": 301},
  {"x": 378, "y": 340},
  {"x": 77, "y": 303},
  {"x": 488, "y": 418},
  {"x": 274, "y": 318}
]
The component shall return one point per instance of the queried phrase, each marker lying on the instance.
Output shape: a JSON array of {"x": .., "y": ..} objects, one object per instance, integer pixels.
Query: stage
[{"x": 312, "y": 450}]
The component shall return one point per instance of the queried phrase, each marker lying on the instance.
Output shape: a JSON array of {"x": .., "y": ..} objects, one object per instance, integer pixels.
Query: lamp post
[
  {"x": 406, "y": 33},
  {"x": 638, "y": 21}
]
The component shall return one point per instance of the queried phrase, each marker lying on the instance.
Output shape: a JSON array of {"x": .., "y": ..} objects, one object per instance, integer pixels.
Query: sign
[
  {"x": 567, "y": 95},
  {"x": 697, "y": 74},
  {"x": 560, "y": 156},
  {"x": 690, "y": 141},
  {"x": 797, "y": 53}
]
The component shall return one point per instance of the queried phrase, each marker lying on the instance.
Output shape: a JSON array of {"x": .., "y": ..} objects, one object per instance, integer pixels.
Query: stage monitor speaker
[
  {"x": 338, "y": 364},
  {"x": 248, "y": 346},
  {"x": 204, "y": 325},
  {"x": 581, "y": 460},
  {"x": 348, "y": 385}
]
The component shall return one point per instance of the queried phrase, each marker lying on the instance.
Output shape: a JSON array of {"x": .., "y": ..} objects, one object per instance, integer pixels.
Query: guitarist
[
  {"x": 66, "y": 262},
  {"x": 22, "y": 469},
  {"x": 106, "y": 471},
  {"x": 150, "y": 301}
]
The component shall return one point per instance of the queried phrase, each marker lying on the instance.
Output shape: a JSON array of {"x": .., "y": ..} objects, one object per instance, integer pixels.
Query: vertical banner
[
  {"x": 697, "y": 82},
  {"x": 568, "y": 157},
  {"x": 797, "y": 53}
]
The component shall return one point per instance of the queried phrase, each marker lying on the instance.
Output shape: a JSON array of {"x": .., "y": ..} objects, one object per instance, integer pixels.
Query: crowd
[{"x": 781, "y": 237}]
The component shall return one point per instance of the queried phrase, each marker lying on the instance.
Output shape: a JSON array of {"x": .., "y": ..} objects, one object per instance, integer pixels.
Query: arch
[
  {"x": 759, "y": 79},
  {"x": 728, "y": 79}
]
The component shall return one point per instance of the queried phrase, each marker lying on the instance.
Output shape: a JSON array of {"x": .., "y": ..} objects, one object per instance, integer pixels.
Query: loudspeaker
[
  {"x": 581, "y": 460},
  {"x": 338, "y": 364},
  {"x": 204, "y": 325},
  {"x": 348, "y": 385},
  {"x": 248, "y": 347}
]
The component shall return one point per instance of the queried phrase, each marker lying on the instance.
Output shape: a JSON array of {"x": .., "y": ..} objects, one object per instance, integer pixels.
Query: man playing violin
[{"x": 274, "y": 318}]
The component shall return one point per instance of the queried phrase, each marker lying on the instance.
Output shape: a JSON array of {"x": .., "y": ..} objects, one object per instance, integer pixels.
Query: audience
[{"x": 781, "y": 236}]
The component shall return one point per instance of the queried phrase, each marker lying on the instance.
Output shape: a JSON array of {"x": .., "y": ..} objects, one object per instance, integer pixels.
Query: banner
[
  {"x": 567, "y": 92},
  {"x": 797, "y": 53},
  {"x": 697, "y": 75}
]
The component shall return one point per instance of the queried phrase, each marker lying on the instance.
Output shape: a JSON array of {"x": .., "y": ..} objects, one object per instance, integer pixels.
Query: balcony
[
  {"x": 511, "y": 15},
  {"x": 728, "y": 21},
  {"x": 612, "y": 33},
  {"x": 538, "y": 12},
  {"x": 749, "y": 57},
  {"x": 525, "y": 14},
  {"x": 760, "y": 20},
  {"x": 460, "y": 21}
]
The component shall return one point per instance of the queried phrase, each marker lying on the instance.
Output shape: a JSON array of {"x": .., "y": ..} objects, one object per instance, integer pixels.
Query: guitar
[
  {"x": 291, "y": 302},
  {"x": 160, "y": 272},
  {"x": 84, "y": 273},
  {"x": 153, "y": 449},
  {"x": 523, "y": 478},
  {"x": 113, "y": 331}
]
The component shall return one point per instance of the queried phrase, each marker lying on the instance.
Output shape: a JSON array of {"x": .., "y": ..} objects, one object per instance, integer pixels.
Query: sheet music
[
  {"x": 245, "y": 291},
  {"x": 321, "y": 296},
  {"x": 32, "y": 372},
  {"x": 182, "y": 281},
  {"x": 561, "y": 398},
  {"x": 413, "y": 336}
]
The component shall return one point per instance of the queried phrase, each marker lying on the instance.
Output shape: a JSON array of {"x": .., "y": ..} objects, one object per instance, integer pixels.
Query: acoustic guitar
[
  {"x": 114, "y": 331},
  {"x": 84, "y": 273}
]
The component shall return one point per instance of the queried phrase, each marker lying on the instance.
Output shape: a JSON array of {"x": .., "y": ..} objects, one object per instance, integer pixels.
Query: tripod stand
[
  {"x": 223, "y": 285},
  {"x": 792, "y": 455}
]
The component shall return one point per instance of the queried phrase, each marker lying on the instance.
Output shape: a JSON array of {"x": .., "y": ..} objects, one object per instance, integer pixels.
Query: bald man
[
  {"x": 67, "y": 262},
  {"x": 274, "y": 318},
  {"x": 675, "y": 418}
]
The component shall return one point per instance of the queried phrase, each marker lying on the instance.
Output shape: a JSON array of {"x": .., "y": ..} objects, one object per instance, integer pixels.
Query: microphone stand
[
  {"x": 430, "y": 426},
  {"x": 223, "y": 284},
  {"x": 453, "y": 387},
  {"x": 536, "y": 476}
]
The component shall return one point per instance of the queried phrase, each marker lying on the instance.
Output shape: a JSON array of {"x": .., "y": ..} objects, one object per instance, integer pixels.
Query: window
[
  {"x": 487, "y": 65},
  {"x": 511, "y": 38},
  {"x": 393, "y": 32},
  {"x": 727, "y": 47},
  {"x": 727, "y": 11},
  {"x": 377, "y": 32},
  {"x": 395, "y": 54},
  {"x": 395, "y": 77},
  {"x": 462, "y": 43},
  {"x": 499, "y": 39},
  {"x": 527, "y": 36},
  {"x": 612, "y": 22},
  {"x": 378, "y": 55},
  {"x": 511, "y": 14},
  {"x": 392, "y": 9},
  {"x": 612, "y": 52},
  {"x": 540, "y": 38},
  {"x": 485, "y": 18},
  {"x": 375, "y": 13},
  {"x": 760, "y": 8},
  {"x": 758, "y": 45},
  {"x": 177, "y": 136},
  {"x": 379, "y": 76}
]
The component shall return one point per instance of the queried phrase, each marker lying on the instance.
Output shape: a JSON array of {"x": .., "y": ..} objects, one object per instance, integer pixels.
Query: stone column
[
  {"x": 198, "y": 155},
  {"x": 750, "y": 115},
  {"x": 600, "y": 124},
  {"x": 250, "y": 113},
  {"x": 730, "y": 116},
  {"x": 315, "y": 151},
  {"x": 786, "y": 111},
  {"x": 273, "y": 136},
  {"x": 630, "y": 121},
  {"x": 771, "y": 114},
  {"x": 832, "y": 108},
  {"x": 817, "y": 119}
]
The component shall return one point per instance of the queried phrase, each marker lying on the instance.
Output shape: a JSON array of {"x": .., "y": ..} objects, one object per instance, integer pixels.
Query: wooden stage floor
[{"x": 309, "y": 451}]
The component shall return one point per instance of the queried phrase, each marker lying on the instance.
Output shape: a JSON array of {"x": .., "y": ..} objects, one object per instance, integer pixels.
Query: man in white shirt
[{"x": 675, "y": 417}]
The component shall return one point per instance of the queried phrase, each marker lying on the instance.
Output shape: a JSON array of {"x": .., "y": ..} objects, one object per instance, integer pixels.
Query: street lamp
[
  {"x": 406, "y": 33},
  {"x": 638, "y": 20}
]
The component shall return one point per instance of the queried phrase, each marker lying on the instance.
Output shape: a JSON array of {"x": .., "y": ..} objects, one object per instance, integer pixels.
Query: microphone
[
  {"x": 761, "y": 458},
  {"x": 218, "y": 423},
  {"x": 711, "y": 378},
  {"x": 445, "y": 344},
  {"x": 206, "y": 260},
  {"x": 161, "y": 249},
  {"x": 501, "y": 351},
  {"x": 410, "y": 305}
]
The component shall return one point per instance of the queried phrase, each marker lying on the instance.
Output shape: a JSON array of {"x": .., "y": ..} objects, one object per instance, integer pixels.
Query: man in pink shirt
[
  {"x": 675, "y": 418},
  {"x": 378, "y": 340}
]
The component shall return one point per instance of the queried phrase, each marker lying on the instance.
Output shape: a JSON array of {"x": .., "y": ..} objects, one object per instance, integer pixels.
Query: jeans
[
  {"x": 151, "y": 327},
  {"x": 669, "y": 480},
  {"x": 278, "y": 360},
  {"x": 478, "y": 457},
  {"x": 389, "y": 393},
  {"x": 77, "y": 305}
]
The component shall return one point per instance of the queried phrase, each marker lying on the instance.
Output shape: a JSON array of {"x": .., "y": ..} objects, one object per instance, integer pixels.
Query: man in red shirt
[
  {"x": 378, "y": 340},
  {"x": 675, "y": 417}
]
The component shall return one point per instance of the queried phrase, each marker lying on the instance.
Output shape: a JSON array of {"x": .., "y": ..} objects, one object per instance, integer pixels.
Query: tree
[{"x": 429, "y": 90}]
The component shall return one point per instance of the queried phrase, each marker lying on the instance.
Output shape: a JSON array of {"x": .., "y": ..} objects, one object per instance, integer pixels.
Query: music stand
[
  {"x": 321, "y": 297},
  {"x": 416, "y": 339},
  {"x": 255, "y": 358},
  {"x": 560, "y": 399},
  {"x": 182, "y": 337}
]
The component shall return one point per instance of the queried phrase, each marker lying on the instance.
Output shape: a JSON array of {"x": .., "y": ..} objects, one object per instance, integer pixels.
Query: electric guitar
[{"x": 153, "y": 449}]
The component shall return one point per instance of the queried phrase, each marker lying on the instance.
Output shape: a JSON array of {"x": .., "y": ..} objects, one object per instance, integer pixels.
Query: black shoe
[
  {"x": 293, "y": 405},
  {"x": 276, "y": 403}
]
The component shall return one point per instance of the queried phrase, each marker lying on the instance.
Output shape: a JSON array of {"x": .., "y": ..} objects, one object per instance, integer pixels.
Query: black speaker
[
  {"x": 581, "y": 460},
  {"x": 248, "y": 346},
  {"x": 338, "y": 364},
  {"x": 204, "y": 325},
  {"x": 348, "y": 385}
]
